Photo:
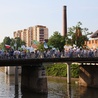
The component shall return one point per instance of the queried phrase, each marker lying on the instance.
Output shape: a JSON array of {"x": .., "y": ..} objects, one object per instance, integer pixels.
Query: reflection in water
[
  {"x": 16, "y": 91},
  {"x": 33, "y": 95},
  {"x": 57, "y": 88},
  {"x": 88, "y": 92},
  {"x": 69, "y": 90}
]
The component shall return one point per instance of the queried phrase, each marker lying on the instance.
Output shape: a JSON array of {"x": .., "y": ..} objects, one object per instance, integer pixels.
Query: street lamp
[
  {"x": 16, "y": 67},
  {"x": 66, "y": 40},
  {"x": 15, "y": 44}
]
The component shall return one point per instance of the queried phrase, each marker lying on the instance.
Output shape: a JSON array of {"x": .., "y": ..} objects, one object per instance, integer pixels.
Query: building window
[
  {"x": 41, "y": 36},
  {"x": 92, "y": 41},
  {"x": 89, "y": 42},
  {"x": 41, "y": 31},
  {"x": 96, "y": 41},
  {"x": 41, "y": 39}
]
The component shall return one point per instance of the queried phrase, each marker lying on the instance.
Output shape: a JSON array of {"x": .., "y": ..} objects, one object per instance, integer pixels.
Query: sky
[{"x": 21, "y": 14}]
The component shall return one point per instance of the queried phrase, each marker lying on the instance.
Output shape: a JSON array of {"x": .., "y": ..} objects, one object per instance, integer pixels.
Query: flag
[
  {"x": 23, "y": 47},
  {"x": 45, "y": 45},
  {"x": 35, "y": 44},
  {"x": 31, "y": 49},
  {"x": 7, "y": 46}
]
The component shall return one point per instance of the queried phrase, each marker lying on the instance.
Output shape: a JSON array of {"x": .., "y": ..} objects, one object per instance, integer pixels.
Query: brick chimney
[{"x": 64, "y": 21}]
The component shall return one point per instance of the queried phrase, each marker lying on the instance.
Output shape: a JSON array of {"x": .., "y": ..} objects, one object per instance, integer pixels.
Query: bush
[
  {"x": 75, "y": 70},
  {"x": 60, "y": 69}
]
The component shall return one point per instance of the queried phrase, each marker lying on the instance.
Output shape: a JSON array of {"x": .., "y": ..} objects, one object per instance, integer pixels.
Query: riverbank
[{"x": 62, "y": 78}]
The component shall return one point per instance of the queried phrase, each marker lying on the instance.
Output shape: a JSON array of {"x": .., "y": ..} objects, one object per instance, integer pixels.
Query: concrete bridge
[{"x": 33, "y": 74}]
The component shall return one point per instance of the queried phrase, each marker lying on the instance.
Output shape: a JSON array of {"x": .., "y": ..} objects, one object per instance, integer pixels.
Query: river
[{"x": 57, "y": 88}]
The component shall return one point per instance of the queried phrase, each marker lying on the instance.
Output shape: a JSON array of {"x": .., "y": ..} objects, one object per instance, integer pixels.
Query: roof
[{"x": 94, "y": 35}]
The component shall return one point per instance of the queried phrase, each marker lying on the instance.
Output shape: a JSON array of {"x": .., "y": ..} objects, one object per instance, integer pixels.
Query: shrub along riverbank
[{"x": 60, "y": 69}]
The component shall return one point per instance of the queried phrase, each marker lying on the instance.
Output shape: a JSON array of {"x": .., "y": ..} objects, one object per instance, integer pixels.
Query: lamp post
[
  {"x": 15, "y": 44},
  {"x": 76, "y": 42},
  {"x": 16, "y": 68},
  {"x": 66, "y": 40}
]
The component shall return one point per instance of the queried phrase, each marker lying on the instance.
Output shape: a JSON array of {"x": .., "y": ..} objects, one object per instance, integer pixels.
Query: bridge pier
[
  {"x": 88, "y": 76},
  {"x": 68, "y": 72},
  {"x": 34, "y": 78}
]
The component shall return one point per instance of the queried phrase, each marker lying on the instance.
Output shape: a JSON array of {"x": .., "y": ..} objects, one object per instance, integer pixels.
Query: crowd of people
[{"x": 49, "y": 53}]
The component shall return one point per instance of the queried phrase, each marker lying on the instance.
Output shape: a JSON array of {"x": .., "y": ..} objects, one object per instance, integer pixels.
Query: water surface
[{"x": 57, "y": 88}]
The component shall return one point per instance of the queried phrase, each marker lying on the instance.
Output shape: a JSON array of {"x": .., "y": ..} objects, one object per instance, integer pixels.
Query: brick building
[{"x": 93, "y": 43}]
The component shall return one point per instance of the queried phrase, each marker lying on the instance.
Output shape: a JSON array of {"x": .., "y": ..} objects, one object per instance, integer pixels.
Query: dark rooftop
[{"x": 94, "y": 35}]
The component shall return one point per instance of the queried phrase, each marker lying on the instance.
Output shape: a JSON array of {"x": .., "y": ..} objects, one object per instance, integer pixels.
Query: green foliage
[
  {"x": 11, "y": 42},
  {"x": 56, "y": 41},
  {"x": 57, "y": 70},
  {"x": 80, "y": 40},
  {"x": 0, "y": 45},
  {"x": 75, "y": 70},
  {"x": 77, "y": 35},
  {"x": 41, "y": 47},
  {"x": 60, "y": 69},
  {"x": 18, "y": 42},
  {"x": 6, "y": 40}
]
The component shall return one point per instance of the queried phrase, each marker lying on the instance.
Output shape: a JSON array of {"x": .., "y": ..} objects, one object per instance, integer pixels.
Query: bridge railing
[{"x": 48, "y": 54}]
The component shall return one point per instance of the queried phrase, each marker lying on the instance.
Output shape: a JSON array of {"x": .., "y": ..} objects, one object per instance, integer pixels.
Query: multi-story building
[
  {"x": 38, "y": 33},
  {"x": 93, "y": 42}
]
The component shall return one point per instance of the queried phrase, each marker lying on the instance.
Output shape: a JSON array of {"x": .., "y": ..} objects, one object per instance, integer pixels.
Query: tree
[
  {"x": 41, "y": 47},
  {"x": 78, "y": 35},
  {"x": 56, "y": 41},
  {"x": 18, "y": 42},
  {"x": 0, "y": 45},
  {"x": 6, "y": 41},
  {"x": 11, "y": 42}
]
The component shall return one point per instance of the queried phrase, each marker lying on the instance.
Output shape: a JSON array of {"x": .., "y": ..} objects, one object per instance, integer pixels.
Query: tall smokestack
[{"x": 64, "y": 21}]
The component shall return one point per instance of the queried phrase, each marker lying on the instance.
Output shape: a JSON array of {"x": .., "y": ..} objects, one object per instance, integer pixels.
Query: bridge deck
[{"x": 29, "y": 62}]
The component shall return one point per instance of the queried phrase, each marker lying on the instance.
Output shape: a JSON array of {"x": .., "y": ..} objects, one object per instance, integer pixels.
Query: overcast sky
[{"x": 21, "y": 14}]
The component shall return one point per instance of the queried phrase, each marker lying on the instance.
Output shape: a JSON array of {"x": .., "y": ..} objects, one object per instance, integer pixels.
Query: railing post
[{"x": 68, "y": 72}]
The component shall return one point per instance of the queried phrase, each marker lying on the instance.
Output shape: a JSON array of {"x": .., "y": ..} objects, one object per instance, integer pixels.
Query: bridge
[{"x": 33, "y": 75}]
